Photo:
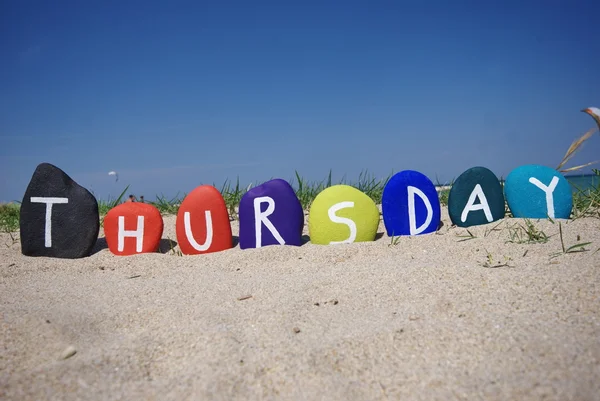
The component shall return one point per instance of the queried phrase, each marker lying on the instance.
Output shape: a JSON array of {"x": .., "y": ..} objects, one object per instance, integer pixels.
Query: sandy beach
[{"x": 429, "y": 318}]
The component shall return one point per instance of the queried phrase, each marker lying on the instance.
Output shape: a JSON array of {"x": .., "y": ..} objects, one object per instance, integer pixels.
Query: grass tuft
[
  {"x": 167, "y": 206},
  {"x": 232, "y": 196},
  {"x": 9, "y": 217},
  {"x": 526, "y": 234},
  {"x": 105, "y": 206},
  {"x": 575, "y": 146},
  {"x": 580, "y": 247},
  {"x": 586, "y": 202},
  {"x": 491, "y": 263},
  {"x": 466, "y": 237}
]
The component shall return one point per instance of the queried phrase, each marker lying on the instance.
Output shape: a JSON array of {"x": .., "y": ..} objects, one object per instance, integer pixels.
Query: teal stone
[
  {"x": 476, "y": 198},
  {"x": 538, "y": 192}
]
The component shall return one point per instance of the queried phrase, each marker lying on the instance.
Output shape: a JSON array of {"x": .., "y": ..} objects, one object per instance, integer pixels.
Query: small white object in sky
[
  {"x": 595, "y": 113},
  {"x": 115, "y": 174}
]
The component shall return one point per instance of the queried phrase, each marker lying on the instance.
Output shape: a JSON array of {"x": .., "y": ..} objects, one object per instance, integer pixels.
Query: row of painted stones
[{"x": 59, "y": 218}]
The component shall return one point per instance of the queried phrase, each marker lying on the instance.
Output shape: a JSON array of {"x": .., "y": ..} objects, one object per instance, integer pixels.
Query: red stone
[
  {"x": 131, "y": 212},
  {"x": 202, "y": 199}
]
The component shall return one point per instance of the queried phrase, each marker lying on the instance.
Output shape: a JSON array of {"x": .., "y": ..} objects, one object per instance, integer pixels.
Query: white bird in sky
[
  {"x": 595, "y": 113},
  {"x": 115, "y": 174}
]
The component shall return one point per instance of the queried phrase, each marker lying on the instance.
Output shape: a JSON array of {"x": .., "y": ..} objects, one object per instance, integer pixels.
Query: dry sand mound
[{"x": 430, "y": 318}]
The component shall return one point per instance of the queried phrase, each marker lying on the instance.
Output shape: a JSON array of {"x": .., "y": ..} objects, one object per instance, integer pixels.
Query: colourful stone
[
  {"x": 342, "y": 214},
  {"x": 410, "y": 204},
  {"x": 537, "y": 192},
  {"x": 133, "y": 227},
  {"x": 58, "y": 218},
  {"x": 202, "y": 224},
  {"x": 476, "y": 198},
  {"x": 270, "y": 214}
]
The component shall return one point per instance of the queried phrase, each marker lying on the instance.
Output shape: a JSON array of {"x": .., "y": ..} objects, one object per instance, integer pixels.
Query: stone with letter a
[
  {"x": 58, "y": 218},
  {"x": 131, "y": 228},
  {"x": 202, "y": 223},
  {"x": 271, "y": 214},
  {"x": 476, "y": 198}
]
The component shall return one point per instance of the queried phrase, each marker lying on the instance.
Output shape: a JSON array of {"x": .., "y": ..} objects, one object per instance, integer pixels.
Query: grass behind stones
[
  {"x": 586, "y": 203},
  {"x": 9, "y": 217}
]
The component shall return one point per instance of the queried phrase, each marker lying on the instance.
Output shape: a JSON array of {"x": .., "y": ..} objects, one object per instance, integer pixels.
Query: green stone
[
  {"x": 476, "y": 198},
  {"x": 342, "y": 214}
]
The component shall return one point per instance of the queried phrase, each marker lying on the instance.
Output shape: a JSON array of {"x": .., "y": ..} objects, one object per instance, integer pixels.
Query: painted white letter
[
  {"x": 261, "y": 218},
  {"x": 483, "y": 205},
  {"x": 49, "y": 202},
  {"x": 548, "y": 190},
  {"x": 412, "y": 218},
  {"x": 138, "y": 233},
  {"x": 190, "y": 235},
  {"x": 343, "y": 220}
]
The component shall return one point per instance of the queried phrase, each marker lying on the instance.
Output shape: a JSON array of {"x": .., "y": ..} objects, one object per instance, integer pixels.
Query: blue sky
[{"x": 176, "y": 94}]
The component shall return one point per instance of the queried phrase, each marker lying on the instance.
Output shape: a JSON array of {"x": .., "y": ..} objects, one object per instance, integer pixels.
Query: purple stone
[{"x": 273, "y": 213}]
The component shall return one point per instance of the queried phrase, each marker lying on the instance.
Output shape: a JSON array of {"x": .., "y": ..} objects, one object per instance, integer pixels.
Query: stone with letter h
[{"x": 132, "y": 228}]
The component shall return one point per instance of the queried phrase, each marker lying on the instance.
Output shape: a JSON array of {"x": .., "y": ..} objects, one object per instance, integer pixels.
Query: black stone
[
  {"x": 74, "y": 225},
  {"x": 461, "y": 190}
]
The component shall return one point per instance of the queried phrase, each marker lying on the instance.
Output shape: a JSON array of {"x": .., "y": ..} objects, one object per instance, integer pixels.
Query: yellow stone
[{"x": 342, "y": 214}]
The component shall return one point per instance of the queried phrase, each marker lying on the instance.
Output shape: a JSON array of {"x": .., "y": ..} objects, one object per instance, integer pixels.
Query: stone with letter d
[{"x": 410, "y": 204}]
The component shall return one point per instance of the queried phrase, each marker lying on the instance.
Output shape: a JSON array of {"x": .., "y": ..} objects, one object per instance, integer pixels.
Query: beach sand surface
[{"x": 432, "y": 317}]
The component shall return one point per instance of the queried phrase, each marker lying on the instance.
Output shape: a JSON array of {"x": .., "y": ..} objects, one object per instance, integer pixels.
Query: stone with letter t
[
  {"x": 58, "y": 218},
  {"x": 271, "y": 214}
]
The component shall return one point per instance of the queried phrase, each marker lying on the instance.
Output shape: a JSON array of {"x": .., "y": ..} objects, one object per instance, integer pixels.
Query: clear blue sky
[{"x": 175, "y": 94}]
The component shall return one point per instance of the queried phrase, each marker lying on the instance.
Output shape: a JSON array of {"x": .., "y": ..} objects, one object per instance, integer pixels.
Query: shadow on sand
[{"x": 165, "y": 245}]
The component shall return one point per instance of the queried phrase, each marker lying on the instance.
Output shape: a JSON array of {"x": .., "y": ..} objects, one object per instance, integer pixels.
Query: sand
[{"x": 425, "y": 319}]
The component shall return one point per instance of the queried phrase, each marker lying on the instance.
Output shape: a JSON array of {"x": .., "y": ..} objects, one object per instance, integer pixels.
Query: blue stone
[
  {"x": 270, "y": 214},
  {"x": 405, "y": 212},
  {"x": 526, "y": 199},
  {"x": 476, "y": 198}
]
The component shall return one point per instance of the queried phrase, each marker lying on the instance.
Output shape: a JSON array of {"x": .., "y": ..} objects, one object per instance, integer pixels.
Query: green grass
[
  {"x": 232, "y": 195},
  {"x": 167, "y": 206},
  {"x": 443, "y": 194},
  {"x": 579, "y": 247},
  {"x": 586, "y": 203},
  {"x": 9, "y": 217},
  {"x": 527, "y": 234}
]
